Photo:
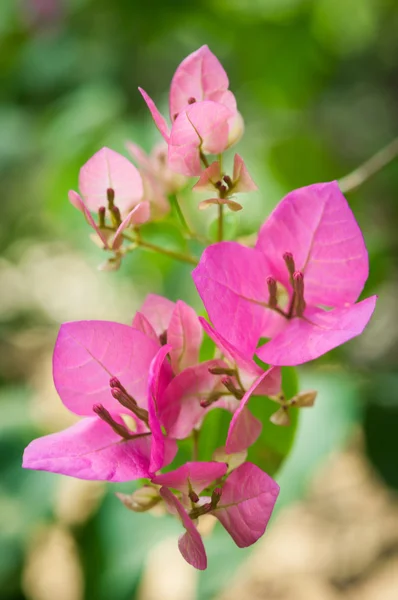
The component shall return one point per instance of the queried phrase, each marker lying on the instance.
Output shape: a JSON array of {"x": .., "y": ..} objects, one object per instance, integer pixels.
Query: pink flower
[
  {"x": 243, "y": 503},
  {"x": 202, "y": 111},
  {"x": 197, "y": 387},
  {"x": 110, "y": 185},
  {"x": 310, "y": 253},
  {"x": 213, "y": 179},
  {"x": 158, "y": 179},
  {"x": 176, "y": 324},
  {"x": 110, "y": 374}
]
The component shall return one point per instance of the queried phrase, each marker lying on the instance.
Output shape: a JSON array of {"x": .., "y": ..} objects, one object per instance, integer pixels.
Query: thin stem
[
  {"x": 176, "y": 204},
  {"x": 204, "y": 159},
  {"x": 220, "y": 229},
  {"x": 176, "y": 255},
  {"x": 370, "y": 167}
]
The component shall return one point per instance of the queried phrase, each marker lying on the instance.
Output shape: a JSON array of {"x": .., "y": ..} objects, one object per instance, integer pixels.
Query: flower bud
[
  {"x": 141, "y": 500},
  {"x": 304, "y": 399},
  {"x": 280, "y": 417}
]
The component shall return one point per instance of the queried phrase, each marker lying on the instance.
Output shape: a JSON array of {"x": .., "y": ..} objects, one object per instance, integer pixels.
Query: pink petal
[
  {"x": 78, "y": 203},
  {"x": 141, "y": 323},
  {"x": 158, "y": 311},
  {"x": 317, "y": 226},
  {"x": 185, "y": 159},
  {"x": 248, "y": 499},
  {"x": 155, "y": 194},
  {"x": 208, "y": 178},
  {"x": 210, "y": 121},
  {"x": 184, "y": 334},
  {"x": 306, "y": 339},
  {"x": 192, "y": 475},
  {"x": 244, "y": 183},
  {"x": 190, "y": 544},
  {"x": 180, "y": 405},
  {"x": 199, "y": 76},
  {"x": 160, "y": 121},
  {"x": 242, "y": 433},
  {"x": 139, "y": 215},
  {"x": 108, "y": 169},
  {"x": 159, "y": 378},
  {"x": 90, "y": 449},
  {"x": 231, "y": 353},
  {"x": 238, "y": 275},
  {"x": 140, "y": 157},
  {"x": 88, "y": 354}
]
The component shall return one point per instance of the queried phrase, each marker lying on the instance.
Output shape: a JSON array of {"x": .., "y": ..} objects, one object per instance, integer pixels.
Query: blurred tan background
[{"x": 316, "y": 82}]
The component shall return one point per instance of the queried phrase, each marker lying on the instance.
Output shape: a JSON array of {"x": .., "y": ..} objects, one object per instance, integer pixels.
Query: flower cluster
[{"x": 142, "y": 389}]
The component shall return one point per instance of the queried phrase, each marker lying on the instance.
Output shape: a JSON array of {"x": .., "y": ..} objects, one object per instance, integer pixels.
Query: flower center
[{"x": 279, "y": 299}]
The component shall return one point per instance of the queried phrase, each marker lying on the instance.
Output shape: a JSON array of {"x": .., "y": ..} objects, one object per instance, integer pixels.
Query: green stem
[
  {"x": 177, "y": 255},
  {"x": 176, "y": 204},
  {"x": 220, "y": 229},
  {"x": 187, "y": 258},
  {"x": 369, "y": 168}
]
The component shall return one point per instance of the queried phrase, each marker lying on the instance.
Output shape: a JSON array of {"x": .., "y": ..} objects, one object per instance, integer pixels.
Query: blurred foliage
[{"x": 316, "y": 83}]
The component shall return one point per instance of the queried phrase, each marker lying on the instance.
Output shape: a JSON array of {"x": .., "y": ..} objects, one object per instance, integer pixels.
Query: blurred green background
[{"x": 316, "y": 82}]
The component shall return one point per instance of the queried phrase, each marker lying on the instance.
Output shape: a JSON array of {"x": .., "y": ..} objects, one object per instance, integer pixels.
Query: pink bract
[
  {"x": 90, "y": 449},
  {"x": 178, "y": 323},
  {"x": 316, "y": 226},
  {"x": 240, "y": 433},
  {"x": 88, "y": 357},
  {"x": 105, "y": 170},
  {"x": 192, "y": 476},
  {"x": 247, "y": 501},
  {"x": 202, "y": 111},
  {"x": 190, "y": 543},
  {"x": 88, "y": 354}
]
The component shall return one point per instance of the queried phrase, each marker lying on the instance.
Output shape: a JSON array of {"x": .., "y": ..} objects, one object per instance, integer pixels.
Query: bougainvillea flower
[
  {"x": 213, "y": 179},
  {"x": 114, "y": 372},
  {"x": 110, "y": 185},
  {"x": 193, "y": 476},
  {"x": 158, "y": 180},
  {"x": 174, "y": 323},
  {"x": 107, "y": 170},
  {"x": 156, "y": 166},
  {"x": 243, "y": 504},
  {"x": 200, "y": 77},
  {"x": 310, "y": 254},
  {"x": 247, "y": 501},
  {"x": 199, "y": 85},
  {"x": 190, "y": 543}
]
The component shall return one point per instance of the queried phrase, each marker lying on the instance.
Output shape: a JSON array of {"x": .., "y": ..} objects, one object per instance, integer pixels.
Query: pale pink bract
[{"x": 202, "y": 111}]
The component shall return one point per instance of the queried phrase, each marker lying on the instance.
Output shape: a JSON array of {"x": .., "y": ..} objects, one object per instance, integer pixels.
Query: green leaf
[
  {"x": 213, "y": 433},
  {"x": 275, "y": 442}
]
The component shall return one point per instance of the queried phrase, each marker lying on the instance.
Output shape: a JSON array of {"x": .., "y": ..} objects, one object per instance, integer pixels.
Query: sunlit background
[{"x": 316, "y": 82}]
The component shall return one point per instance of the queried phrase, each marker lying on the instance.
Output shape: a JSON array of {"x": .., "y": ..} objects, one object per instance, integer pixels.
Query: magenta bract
[{"x": 315, "y": 228}]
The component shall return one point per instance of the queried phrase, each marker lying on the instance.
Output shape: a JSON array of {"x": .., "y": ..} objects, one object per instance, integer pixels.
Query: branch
[{"x": 369, "y": 168}]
